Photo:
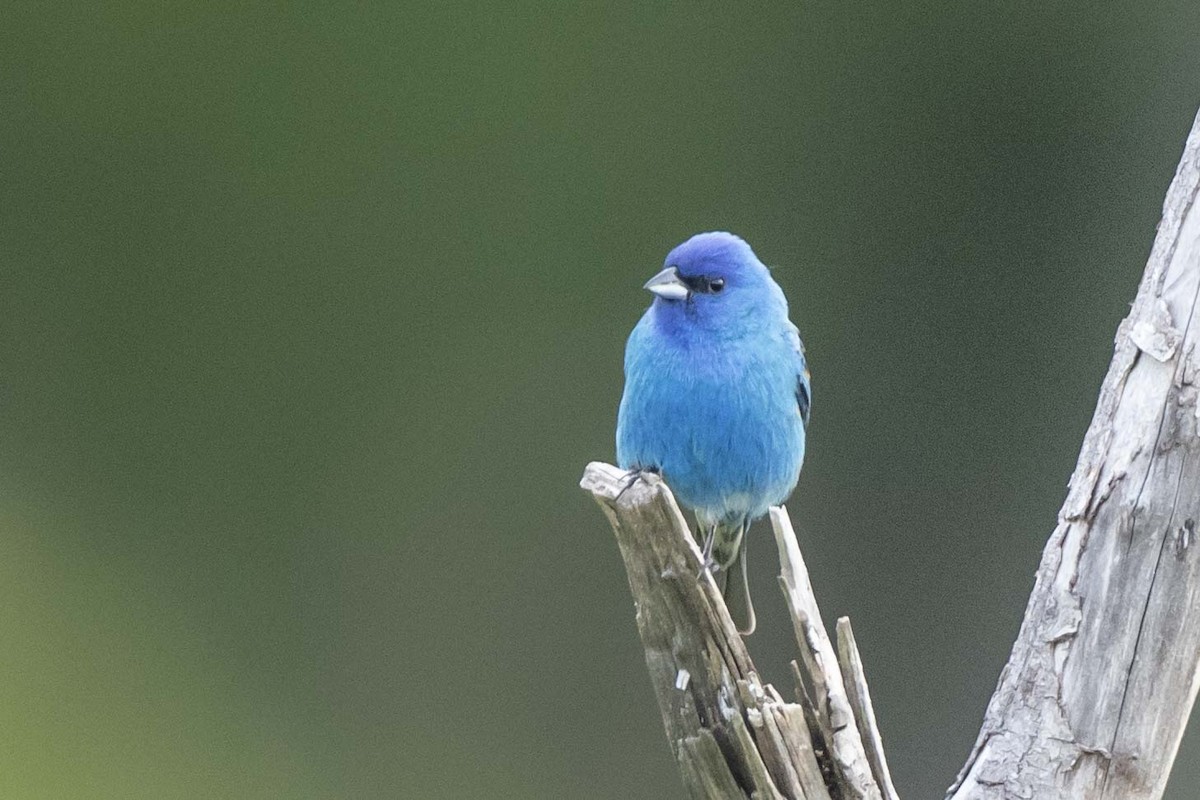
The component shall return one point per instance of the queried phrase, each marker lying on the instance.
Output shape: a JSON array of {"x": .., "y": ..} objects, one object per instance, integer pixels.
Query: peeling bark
[
  {"x": 1102, "y": 678},
  {"x": 732, "y": 735}
]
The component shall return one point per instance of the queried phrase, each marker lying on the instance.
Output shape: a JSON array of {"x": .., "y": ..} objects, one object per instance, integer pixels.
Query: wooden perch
[
  {"x": 732, "y": 735},
  {"x": 1101, "y": 680}
]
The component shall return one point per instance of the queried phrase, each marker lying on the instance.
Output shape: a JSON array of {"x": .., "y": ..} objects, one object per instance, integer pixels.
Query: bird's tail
[{"x": 729, "y": 551}]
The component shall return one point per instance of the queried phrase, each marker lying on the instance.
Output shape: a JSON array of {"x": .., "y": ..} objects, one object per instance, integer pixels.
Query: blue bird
[{"x": 717, "y": 398}]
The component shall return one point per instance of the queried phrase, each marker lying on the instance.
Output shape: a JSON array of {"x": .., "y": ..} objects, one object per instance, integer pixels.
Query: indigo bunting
[{"x": 717, "y": 398}]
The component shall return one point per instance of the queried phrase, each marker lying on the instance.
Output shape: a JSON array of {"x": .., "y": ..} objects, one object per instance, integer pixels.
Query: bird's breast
[{"x": 719, "y": 421}]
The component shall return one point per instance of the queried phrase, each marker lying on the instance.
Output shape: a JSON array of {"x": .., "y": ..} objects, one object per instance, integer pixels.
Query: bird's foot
[
  {"x": 708, "y": 565},
  {"x": 633, "y": 476}
]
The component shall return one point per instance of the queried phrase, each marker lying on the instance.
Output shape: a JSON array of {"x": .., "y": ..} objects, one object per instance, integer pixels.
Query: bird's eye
[{"x": 716, "y": 285}]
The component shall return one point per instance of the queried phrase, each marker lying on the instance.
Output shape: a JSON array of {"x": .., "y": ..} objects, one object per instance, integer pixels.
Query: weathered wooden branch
[
  {"x": 1102, "y": 678},
  {"x": 732, "y": 735}
]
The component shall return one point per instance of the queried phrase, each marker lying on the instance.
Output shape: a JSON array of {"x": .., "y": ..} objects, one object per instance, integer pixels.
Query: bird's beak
[{"x": 667, "y": 285}]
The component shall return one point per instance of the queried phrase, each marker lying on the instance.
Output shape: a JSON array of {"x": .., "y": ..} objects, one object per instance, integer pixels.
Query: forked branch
[
  {"x": 732, "y": 735},
  {"x": 1101, "y": 680}
]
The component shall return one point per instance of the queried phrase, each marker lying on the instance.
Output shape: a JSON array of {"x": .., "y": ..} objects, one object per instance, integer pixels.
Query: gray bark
[
  {"x": 1102, "y": 677},
  {"x": 732, "y": 735}
]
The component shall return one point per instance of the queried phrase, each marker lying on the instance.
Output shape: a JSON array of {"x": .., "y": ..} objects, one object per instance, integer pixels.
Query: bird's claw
[
  {"x": 632, "y": 477},
  {"x": 708, "y": 565}
]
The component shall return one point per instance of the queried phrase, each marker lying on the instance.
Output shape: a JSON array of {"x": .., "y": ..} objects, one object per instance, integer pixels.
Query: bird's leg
[
  {"x": 707, "y": 562},
  {"x": 633, "y": 476},
  {"x": 734, "y": 549}
]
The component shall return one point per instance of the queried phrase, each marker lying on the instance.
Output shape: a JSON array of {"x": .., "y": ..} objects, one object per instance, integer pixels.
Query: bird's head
[{"x": 714, "y": 280}]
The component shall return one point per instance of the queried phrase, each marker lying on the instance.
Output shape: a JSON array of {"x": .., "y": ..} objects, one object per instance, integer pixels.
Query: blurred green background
[{"x": 311, "y": 316}]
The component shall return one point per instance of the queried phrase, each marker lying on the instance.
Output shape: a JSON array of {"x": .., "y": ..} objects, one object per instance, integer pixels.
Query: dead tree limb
[
  {"x": 1102, "y": 677},
  {"x": 732, "y": 735},
  {"x": 1101, "y": 680}
]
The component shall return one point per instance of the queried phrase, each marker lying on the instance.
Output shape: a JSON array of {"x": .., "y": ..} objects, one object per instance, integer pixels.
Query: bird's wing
[{"x": 803, "y": 378}]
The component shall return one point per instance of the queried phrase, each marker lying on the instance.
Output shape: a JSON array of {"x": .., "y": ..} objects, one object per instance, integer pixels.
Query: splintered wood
[{"x": 732, "y": 735}]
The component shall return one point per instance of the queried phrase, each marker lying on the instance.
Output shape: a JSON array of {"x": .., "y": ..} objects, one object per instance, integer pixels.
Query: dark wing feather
[
  {"x": 803, "y": 398},
  {"x": 803, "y": 383}
]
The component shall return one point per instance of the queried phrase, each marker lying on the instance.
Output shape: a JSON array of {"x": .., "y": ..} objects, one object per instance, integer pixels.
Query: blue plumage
[{"x": 717, "y": 396}]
